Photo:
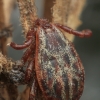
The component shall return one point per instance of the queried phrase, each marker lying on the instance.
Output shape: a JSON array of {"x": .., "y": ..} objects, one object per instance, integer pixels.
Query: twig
[
  {"x": 47, "y": 9},
  {"x": 27, "y": 13},
  {"x": 1, "y": 15},
  {"x": 61, "y": 11},
  {"x": 11, "y": 75},
  {"x": 5, "y": 29},
  {"x": 6, "y": 88}
]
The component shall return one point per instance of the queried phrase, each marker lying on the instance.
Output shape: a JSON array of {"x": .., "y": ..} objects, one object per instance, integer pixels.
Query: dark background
[{"x": 88, "y": 48}]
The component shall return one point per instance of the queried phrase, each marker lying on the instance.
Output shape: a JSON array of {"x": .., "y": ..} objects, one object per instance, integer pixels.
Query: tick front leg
[
  {"x": 23, "y": 46},
  {"x": 83, "y": 33}
]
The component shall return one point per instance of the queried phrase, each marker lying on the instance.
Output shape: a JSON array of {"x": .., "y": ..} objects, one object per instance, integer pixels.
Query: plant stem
[{"x": 27, "y": 14}]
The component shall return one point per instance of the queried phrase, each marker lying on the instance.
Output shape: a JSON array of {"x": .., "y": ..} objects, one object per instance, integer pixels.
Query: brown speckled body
[
  {"x": 59, "y": 70},
  {"x": 53, "y": 64}
]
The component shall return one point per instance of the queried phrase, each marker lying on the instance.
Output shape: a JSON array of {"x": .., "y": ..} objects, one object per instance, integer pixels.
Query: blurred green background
[{"x": 87, "y": 48}]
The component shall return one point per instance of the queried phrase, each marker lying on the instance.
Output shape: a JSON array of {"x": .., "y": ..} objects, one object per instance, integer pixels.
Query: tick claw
[{"x": 87, "y": 33}]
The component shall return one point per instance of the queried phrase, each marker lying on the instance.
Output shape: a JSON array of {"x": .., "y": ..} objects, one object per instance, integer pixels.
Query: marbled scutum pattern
[
  {"x": 60, "y": 72},
  {"x": 54, "y": 67}
]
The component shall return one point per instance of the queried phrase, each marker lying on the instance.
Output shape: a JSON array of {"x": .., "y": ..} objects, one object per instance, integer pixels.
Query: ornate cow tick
[{"x": 53, "y": 64}]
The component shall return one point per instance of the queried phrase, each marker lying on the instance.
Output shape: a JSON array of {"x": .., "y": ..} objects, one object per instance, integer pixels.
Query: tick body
[{"x": 53, "y": 62}]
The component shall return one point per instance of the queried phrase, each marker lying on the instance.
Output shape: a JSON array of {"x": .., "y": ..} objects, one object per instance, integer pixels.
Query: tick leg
[
  {"x": 83, "y": 33},
  {"x": 28, "y": 52},
  {"x": 23, "y": 46},
  {"x": 29, "y": 71},
  {"x": 26, "y": 55},
  {"x": 33, "y": 91}
]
